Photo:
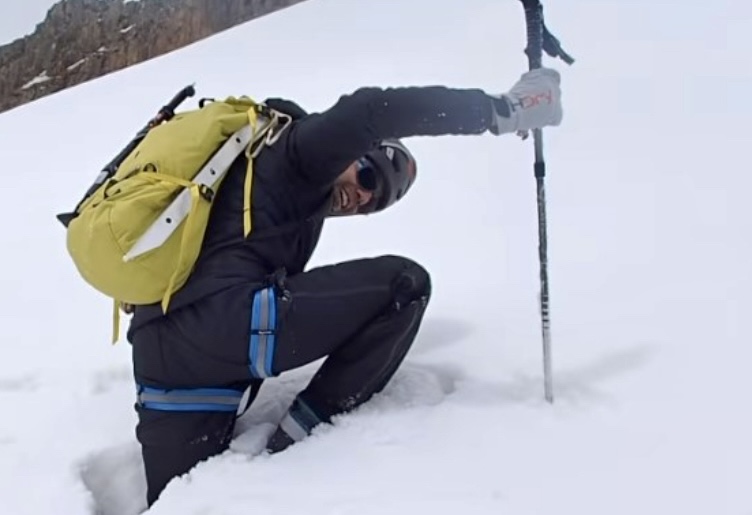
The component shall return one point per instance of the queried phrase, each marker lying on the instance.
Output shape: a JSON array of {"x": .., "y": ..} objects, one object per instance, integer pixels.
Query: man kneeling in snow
[{"x": 249, "y": 310}]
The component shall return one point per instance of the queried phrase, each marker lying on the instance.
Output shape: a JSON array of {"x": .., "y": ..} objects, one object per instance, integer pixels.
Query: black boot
[{"x": 297, "y": 424}]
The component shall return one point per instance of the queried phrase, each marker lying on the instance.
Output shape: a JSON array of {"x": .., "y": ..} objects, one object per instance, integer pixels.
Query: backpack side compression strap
[{"x": 167, "y": 223}]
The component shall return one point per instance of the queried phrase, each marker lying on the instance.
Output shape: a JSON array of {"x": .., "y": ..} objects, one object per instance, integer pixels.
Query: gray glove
[{"x": 533, "y": 103}]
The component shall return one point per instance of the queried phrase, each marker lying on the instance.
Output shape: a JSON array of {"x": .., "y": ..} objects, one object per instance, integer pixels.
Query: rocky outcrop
[{"x": 80, "y": 40}]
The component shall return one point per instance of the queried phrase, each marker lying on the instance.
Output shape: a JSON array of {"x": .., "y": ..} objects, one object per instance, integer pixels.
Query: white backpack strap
[{"x": 216, "y": 168}]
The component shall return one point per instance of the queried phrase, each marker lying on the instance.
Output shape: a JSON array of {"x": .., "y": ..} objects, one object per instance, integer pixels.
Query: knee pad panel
[{"x": 411, "y": 283}]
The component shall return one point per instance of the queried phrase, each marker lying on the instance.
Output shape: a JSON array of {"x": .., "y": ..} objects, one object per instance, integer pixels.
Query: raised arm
[{"x": 324, "y": 144}]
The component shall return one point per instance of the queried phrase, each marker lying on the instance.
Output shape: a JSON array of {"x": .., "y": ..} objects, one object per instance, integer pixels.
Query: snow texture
[{"x": 649, "y": 220}]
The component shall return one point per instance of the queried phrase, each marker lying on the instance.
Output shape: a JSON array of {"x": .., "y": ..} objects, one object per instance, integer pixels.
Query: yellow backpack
[{"x": 136, "y": 236}]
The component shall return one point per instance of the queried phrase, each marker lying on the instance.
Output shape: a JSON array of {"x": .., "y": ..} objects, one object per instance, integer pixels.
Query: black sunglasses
[
  {"x": 367, "y": 176},
  {"x": 371, "y": 180}
]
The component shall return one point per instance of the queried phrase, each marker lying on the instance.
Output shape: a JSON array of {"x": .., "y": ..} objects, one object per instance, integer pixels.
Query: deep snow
[{"x": 649, "y": 262}]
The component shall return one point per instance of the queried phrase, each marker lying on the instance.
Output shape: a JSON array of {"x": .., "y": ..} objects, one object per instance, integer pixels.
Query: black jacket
[{"x": 292, "y": 182}]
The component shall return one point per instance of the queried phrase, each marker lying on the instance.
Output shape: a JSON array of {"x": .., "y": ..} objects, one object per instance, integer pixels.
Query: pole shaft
[
  {"x": 534, "y": 51},
  {"x": 544, "y": 295}
]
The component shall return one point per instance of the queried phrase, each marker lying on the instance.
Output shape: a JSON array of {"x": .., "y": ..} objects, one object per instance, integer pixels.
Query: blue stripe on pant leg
[
  {"x": 197, "y": 399},
  {"x": 254, "y": 342},
  {"x": 207, "y": 392},
  {"x": 263, "y": 331},
  {"x": 168, "y": 406},
  {"x": 273, "y": 329},
  {"x": 262, "y": 339}
]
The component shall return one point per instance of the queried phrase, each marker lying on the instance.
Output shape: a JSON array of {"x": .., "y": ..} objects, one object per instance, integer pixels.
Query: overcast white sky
[{"x": 20, "y": 18}]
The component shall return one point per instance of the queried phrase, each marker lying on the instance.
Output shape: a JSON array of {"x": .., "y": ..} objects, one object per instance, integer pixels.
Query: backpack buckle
[
  {"x": 280, "y": 122},
  {"x": 276, "y": 125},
  {"x": 206, "y": 192}
]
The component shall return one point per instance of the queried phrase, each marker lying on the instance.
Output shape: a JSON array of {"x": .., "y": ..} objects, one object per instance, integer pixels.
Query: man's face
[{"x": 355, "y": 191}]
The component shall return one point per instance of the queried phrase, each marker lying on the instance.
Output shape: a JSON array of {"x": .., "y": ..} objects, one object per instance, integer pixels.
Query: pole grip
[
  {"x": 534, "y": 22},
  {"x": 168, "y": 111}
]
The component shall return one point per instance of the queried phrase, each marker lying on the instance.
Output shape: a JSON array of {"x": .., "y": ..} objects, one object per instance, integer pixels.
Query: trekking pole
[
  {"x": 165, "y": 113},
  {"x": 539, "y": 39}
]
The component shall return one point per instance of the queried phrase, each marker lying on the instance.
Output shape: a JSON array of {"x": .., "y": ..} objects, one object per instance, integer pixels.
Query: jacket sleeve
[{"x": 322, "y": 145}]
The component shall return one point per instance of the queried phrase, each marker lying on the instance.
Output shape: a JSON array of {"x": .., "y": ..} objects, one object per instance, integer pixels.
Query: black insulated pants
[{"x": 361, "y": 315}]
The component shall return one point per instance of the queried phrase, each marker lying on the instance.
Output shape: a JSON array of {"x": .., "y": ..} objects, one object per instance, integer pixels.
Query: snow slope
[{"x": 649, "y": 258}]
